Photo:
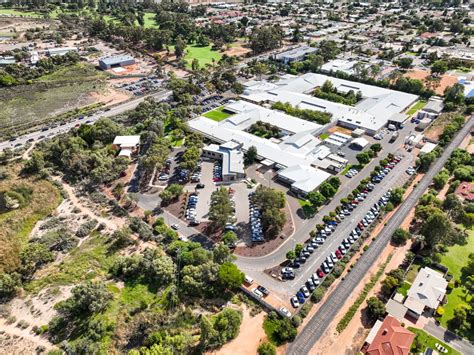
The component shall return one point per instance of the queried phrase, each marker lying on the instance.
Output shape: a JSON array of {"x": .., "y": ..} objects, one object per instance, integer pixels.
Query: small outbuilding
[
  {"x": 128, "y": 145},
  {"x": 360, "y": 143}
]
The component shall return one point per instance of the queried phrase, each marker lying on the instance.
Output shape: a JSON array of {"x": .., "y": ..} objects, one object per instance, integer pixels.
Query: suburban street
[
  {"x": 321, "y": 320},
  {"x": 126, "y": 106},
  {"x": 448, "y": 337}
]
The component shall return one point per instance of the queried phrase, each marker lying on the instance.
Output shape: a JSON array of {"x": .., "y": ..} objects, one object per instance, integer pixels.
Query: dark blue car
[{"x": 300, "y": 297}]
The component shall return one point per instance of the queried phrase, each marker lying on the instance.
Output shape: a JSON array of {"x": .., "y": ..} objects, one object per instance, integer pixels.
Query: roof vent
[{"x": 384, "y": 332}]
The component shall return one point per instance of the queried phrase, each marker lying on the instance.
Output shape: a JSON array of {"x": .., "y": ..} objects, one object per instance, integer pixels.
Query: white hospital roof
[
  {"x": 373, "y": 112},
  {"x": 304, "y": 177},
  {"x": 248, "y": 113}
]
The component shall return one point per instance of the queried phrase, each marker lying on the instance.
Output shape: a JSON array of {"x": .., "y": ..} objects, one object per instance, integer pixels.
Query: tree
[
  {"x": 335, "y": 182},
  {"x": 118, "y": 190},
  {"x": 389, "y": 284},
  {"x": 439, "y": 67},
  {"x": 316, "y": 198},
  {"x": 459, "y": 321},
  {"x": 179, "y": 47},
  {"x": 397, "y": 196},
  {"x": 229, "y": 238},
  {"x": 298, "y": 248},
  {"x": 363, "y": 158},
  {"x": 8, "y": 285},
  {"x": 454, "y": 94},
  {"x": 221, "y": 208},
  {"x": 291, "y": 255},
  {"x": 35, "y": 164},
  {"x": 375, "y": 308},
  {"x": 441, "y": 179},
  {"x": 436, "y": 229},
  {"x": 230, "y": 276},
  {"x": 86, "y": 299},
  {"x": 121, "y": 238},
  {"x": 171, "y": 192},
  {"x": 251, "y": 155},
  {"x": 318, "y": 294},
  {"x": 405, "y": 63},
  {"x": 271, "y": 203},
  {"x": 266, "y": 348},
  {"x": 400, "y": 236},
  {"x": 33, "y": 256},
  {"x": 327, "y": 190},
  {"x": 207, "y": 332},
  {"x": 376, "y": 148}
]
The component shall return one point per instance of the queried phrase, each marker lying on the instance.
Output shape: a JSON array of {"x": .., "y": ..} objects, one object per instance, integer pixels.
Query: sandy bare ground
[
  {"x": 35, "y": 311},
  {"x": 442, "y": 83},
  {"x": 110, "y": 96},
  {"x": 112, "y": 223},
  {"x": 250, "y": 336},
  {"x": 238, "y": 51}
]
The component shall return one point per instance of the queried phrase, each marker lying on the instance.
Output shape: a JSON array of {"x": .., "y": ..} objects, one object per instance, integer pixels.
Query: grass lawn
[
  {"x": 217, "y": 114},
  {"x": 346, "y": 169},
  {"x": 423, "y": 341},
  {"x": 411, "y": 274},
  {"x": 324, "y": 136},
  {"x": 417, "y": 106},
  {"x": 203, "y": 54},
  {"x": 403, "y": 289},
  {"x": 413, "y": 54},
  {"x": 455, "y": 258}
]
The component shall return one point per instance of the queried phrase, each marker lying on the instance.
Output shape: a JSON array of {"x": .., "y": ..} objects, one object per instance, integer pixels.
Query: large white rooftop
[{"x": 372, "y": 113}]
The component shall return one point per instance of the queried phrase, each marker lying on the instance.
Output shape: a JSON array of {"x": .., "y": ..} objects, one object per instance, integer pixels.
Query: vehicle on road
[{"x": 175, "y": 226}]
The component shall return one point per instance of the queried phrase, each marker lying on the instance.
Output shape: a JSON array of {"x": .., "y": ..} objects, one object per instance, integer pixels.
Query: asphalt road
[
  {"x": 320, "y": 321},
  {"x": 38, "y": 135},
  {"x": 449, "y": 338}
]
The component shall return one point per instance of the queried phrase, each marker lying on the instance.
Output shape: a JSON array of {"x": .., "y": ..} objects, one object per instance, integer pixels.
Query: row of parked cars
[
  {"x": 190, "y": 213},
  {"x": 217, "y": 172},
  {"x": 255, "y": 221},
  {"x": 351, "y": 173},
  {"x": 386, "y": 169},
  {"x": 323, "y": 234}
]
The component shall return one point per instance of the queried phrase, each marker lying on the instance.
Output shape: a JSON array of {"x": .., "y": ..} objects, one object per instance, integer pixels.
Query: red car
[
  {"x": 338, "y": 254},
  {"x": 320, "y": 273},
  {"x": 361, "y": 226}
]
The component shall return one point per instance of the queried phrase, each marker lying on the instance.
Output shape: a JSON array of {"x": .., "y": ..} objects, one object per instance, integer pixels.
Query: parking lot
[
  {"x": 142, "y": 86},
  {"x": 240, "y": 195}
]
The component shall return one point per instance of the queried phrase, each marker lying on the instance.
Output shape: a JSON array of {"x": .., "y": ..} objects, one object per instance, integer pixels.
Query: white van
[{"x": 248, "y": 280}]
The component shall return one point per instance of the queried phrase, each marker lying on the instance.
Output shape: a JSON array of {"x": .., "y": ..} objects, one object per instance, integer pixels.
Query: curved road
[{"x": 321, "y": 320}]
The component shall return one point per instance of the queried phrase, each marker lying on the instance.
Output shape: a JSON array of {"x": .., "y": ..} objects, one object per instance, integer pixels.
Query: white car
[
  {"x": 305, "y": 291},
  {"x": 175, "y": 226},
  {"x": 294, "y": 302},
  {"x": 257, "y": 293},
  {"x": 285, "y": 311}
]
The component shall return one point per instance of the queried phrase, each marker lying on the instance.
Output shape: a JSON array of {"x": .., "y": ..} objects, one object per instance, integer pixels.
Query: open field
[
  {"x": 12, "y": 12},
  {"x": 16, "y": 224},
  {"x": 455, "y": 259},
  {"x": 217, "y": 114},
  {"x": 51, "y": 95},
  {"x": 424, "y": 341},
  {"x": 443, "y": 82},
  {"x": 203, "y": 54}
]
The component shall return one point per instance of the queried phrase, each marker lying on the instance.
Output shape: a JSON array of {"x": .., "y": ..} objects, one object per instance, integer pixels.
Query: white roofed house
[
  {"x": 128, "y": 145},
  {"x": 426, "y": 292}
]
